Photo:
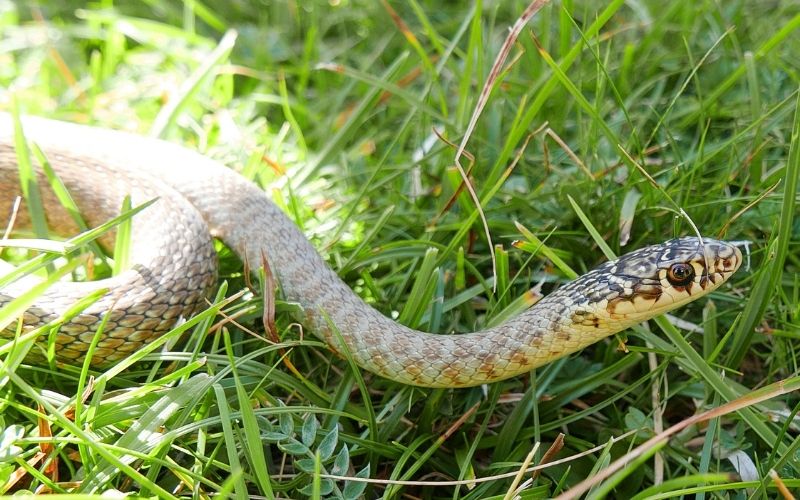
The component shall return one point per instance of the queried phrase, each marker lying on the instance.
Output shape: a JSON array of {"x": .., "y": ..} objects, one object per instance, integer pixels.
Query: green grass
[{"x": 331, "y": 106}]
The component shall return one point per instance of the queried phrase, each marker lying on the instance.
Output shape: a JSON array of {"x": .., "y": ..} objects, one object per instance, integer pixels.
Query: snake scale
[{"x": 173, "y": 267}]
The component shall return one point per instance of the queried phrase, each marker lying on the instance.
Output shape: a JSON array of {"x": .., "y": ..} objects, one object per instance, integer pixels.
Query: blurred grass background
[{"x": 332, "y": 108}]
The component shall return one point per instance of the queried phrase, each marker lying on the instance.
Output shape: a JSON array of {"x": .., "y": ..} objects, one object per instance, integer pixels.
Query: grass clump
[{"x": 606, "y": 124}]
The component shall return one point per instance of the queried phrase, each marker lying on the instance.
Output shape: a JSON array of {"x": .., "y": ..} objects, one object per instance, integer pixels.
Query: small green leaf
[
  {"x": 274, "y": 437},
  {"x": 328, "y": 444},
  {"x": 286, "y": 423},
  {"x": 326, "y": 488},
  {"x": 294, "y": 447},
  {"x": 636, "y": 420},
  {"x": 305, "y": 464},
  {"x": 309, "y": 431},
  {"x": 354, "y": 489},
  {"x": 342, "y": 462}
]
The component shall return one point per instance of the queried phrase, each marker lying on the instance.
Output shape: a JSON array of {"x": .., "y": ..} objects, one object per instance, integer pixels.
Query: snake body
[{"x": 173, "y": 267}]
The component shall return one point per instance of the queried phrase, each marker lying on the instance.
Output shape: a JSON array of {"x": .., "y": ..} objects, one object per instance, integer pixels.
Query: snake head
[{"x": 659, "y": 278}]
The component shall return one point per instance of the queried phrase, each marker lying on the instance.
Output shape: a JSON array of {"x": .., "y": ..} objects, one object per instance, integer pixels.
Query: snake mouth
[{"x": 721, "y": 260}]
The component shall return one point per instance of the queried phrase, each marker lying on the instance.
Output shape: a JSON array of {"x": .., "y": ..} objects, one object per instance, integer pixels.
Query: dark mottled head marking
[
  {"x": 673, "y": 273},
  {"x": 656, "y": 279}
]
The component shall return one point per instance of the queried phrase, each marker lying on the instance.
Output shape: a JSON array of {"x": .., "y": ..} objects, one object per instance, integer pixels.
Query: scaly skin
[{"x": 174, "y": 267}]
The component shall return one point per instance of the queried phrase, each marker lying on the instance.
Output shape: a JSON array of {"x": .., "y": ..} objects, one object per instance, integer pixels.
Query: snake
[{"x": 173, "y": 267}]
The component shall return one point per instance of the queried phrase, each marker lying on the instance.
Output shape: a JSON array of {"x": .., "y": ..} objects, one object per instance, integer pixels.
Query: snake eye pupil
[{"x": 680, "y": 274}]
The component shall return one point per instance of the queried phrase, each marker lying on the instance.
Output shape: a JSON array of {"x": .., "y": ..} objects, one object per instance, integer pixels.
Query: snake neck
[{"x": 336, "y": 314}]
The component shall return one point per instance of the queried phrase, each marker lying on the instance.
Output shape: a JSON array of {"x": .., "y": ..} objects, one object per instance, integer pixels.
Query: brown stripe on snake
[{"x": 174, "y": 267}]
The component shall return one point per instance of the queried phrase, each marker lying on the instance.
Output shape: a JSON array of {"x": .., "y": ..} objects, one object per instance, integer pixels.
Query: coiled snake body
[{"x": 173, "y": 267}]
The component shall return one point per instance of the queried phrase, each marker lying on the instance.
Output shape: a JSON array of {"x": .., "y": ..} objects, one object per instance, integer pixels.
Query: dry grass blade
[
  {"x": 551, "y": 452},
  {"x": 565, "y": 147},
  {"x": 747, "y": 207},
  {"x": 784, "y": 491},
  {"x": 486, "y": 479},
  {"x": 764, "y": 394},
  {"x": 512, "y": 490},
  {"x": 494, "y": 73},
  {"x": 12, "y": 218}
]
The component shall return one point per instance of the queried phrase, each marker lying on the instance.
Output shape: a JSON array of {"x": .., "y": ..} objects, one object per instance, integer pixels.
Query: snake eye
[{"x": 680, "y": 274}]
